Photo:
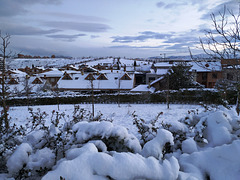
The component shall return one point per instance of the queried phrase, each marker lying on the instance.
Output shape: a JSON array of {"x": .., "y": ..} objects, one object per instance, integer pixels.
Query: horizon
[{"x": 126, "y": 28}]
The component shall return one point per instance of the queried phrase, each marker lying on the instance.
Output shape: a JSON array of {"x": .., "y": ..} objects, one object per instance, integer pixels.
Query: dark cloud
[
  {"x": 19, "y": 7},
  {"x": 80, "y": 18},
  {"x": 232, "y": 5},
  {"x": 65, "y": 37},
  {"x": 160, "y": 4},
  {"x": 14, "y": 29},
  {"x": 78, "y": 26},
  {"x": 143, "y": 37},
  {"x": 37, "y": 51}
]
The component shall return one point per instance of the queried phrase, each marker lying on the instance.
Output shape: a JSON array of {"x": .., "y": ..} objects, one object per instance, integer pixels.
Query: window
[
  {"x": 214, "y": 75},
  {"x": 229, "y": 76},
  {"x": 76, "y": 78},
  {"x": 204, "y": 76},
  {"x": 151, "y": 79}
]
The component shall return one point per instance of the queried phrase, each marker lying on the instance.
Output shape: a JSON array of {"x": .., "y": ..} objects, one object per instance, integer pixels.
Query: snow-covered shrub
[
  {"x": 18, "y": 160},
  {"x": 9, "y": 140},
  {"x": 87, "y": 162},
  {"x": 158, "y": 146},
  {"x": 147, "y": 130},
  {"x": 37, "y": 119},
  {"x": 115, "y": 137}
]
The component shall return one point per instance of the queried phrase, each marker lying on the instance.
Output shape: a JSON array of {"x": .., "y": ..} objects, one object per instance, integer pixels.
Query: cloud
[
  {"x": 170, "y": 5},
  {"x": 37, "y": 51},
  {"x": 94, "y": 36},
  {"x": 160, "y": 4},
  {"x": 19, "y": 7},
  {"x": 14, "y": 29},
  {"x": 78, "y": 26},
  {"x": 65, "y": 37},
  {"x": 139, "y": 47},
  {"x": 143, "y": 37},
  {"x": 79, "y": 17},
  {"x": 232, "y": 5}
]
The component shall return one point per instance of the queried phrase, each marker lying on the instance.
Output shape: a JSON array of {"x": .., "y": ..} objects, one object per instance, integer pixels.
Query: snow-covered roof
[
  {"x": 161, "y": 71},
  {"x": 53, "y": 73},
  {"x": 143, "y": 88},
  {"x": 162, "y": 64},
  {"x": 113, "y": 82},
  {"x": 158, "y": 79},
  {"x": 205, "y": 66}
]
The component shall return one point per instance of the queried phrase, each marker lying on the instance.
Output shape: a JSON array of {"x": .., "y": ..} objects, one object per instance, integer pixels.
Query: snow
[
  {"x": 113, "y": 82},
  {"x": 143, "y": 88},
  {"x": 202, "y": 144},
  {"x": 189, "y": 146},
  {"x": 218, "y": 163},
  {"x": 154, "y": 147},
  {"x": 91, "y": 164},
  {"x": 85, "y": 131},
  {"x": 19, "y": 158}
]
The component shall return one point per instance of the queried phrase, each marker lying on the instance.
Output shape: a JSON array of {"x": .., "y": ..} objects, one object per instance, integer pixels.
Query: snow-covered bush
[
  {"x": 115, "y": 138},
  {"x": 88, "y": 163},
  {"x": 147, "y": 130},
  {"x": 201, "y": 145}
]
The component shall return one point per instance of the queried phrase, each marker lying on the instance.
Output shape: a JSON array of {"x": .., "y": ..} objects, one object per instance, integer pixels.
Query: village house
[
  {"x": 206, "y": 73},
  {"x": 231, "y": 69},
  {"x": 107, "y": 81}
]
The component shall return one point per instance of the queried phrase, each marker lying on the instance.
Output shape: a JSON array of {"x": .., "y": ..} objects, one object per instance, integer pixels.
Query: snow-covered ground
[
  {"x": 121, "y": 115},
  {"x": 191, "y": 142}
]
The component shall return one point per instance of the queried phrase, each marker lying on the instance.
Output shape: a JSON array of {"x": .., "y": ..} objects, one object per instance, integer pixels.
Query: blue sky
[{"x": 131, "y": 28}]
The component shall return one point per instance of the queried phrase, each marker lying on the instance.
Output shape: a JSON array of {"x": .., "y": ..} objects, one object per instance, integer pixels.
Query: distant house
[
  {"x": 207, "y": 74},
  {"x": 231, "y": 69},
  {"x": 52, "y": 76},
  {"x": 104, "y": 82}
]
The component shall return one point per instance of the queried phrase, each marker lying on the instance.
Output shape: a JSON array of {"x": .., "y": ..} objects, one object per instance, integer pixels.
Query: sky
[{"x": 125, "y": 28}]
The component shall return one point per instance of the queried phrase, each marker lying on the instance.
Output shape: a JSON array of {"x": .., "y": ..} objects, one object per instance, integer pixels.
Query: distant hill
[{"x": 188, "y": 57}]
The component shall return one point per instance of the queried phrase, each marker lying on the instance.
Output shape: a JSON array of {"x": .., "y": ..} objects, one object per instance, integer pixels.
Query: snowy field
[
  {"x": 186, "y": 142},
  {"x": 119, "y": 115}
]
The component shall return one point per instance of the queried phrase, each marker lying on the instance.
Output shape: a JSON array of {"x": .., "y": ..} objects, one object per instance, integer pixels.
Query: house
[
  {"x": 52, "y": 76},
  {"x": 206, "y": 73},
  {"x": 100, "y": 81},
  {"x": 231, "y": 69}
]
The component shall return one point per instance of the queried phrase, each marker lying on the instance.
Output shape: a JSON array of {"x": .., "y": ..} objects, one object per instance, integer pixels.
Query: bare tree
[
  {"x": 5, "y": 41},
  {"x": 222, "y": 43}
]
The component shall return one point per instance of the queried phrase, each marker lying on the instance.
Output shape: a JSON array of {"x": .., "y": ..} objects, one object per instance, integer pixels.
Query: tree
[
  {"x": 222, "y": 43},
  {"x": 5, "y": 41},
  {"x": 180, "y": 77}
]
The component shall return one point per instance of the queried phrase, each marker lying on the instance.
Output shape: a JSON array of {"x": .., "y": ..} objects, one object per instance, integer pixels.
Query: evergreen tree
[{"x": 180, "y": 77}]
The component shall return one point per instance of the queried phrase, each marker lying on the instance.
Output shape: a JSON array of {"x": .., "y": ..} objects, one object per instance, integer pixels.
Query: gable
[
  {"x": 102, "y": 77},
  {"x": 89, "y": 77},
  {"x": 126, "y": 77},
  {"x": 12, "y": 81},
  {"x": 37, "y": 81},
  {"x": 67, "y": 76}
]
